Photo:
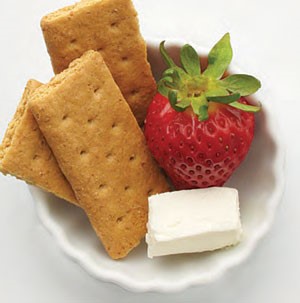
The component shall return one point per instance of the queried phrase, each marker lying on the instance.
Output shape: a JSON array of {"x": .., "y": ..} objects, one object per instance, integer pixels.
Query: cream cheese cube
[{"x": 189, "y": 221}]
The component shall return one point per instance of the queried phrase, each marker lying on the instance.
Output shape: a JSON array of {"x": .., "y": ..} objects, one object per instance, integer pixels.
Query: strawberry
[{"x": 199, "y": 126}]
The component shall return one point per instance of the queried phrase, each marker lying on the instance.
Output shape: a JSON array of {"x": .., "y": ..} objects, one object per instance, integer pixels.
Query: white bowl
[{"x": 260, "y": 182}]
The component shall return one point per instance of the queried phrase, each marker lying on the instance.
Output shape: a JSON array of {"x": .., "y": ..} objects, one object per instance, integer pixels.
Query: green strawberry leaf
[
  {"x": 173, "y": 98},
  {"x": 245, "y": 107},
  {"x": 245, "y": 85},
  {"x": 165, "y": 84},
  {"x": 217, "y": 91},
  {"x": 203, "y": 113},
  {"x": 190, "y": 60},
  {"x": 186, "y": 87},
  {"x": 178, "y": 75},
  {"x": 162, "y": 89},
  {"x": 168, "y": 60},
  {"x": 169, "y": 83},
  {"x": 219, "y": 58},
  {"x": 196, "y": 104},
  {"x": 200, "y": 107},
  {"x": 171, "y": 72},
  {"x": 184, "y": 103},
  {"x": 173, "y": 101},
  {"x": 225, "y": 99}
]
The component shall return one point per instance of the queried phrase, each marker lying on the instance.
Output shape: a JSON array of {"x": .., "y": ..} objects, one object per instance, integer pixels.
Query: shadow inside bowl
[{"x": 255, "y": 178}]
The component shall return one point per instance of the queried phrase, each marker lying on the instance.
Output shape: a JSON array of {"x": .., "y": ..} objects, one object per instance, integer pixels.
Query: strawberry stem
[{"x": 168, "y": 60}]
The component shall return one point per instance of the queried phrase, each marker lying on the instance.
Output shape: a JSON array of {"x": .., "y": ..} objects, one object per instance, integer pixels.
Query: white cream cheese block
[{"x": 194, "y": 220}]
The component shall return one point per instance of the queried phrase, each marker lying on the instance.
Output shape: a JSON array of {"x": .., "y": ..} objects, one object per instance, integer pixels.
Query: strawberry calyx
[{"x": 189, "y": 87}]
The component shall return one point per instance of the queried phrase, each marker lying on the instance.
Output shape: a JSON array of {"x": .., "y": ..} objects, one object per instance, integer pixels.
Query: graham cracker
[
  {"x": 25, "y": 154},
  {"x": 110, "y": 27},
  {"x": 100, "y": 149}
]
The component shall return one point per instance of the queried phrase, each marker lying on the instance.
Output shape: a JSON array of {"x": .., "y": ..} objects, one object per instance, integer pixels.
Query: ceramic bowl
[{"x": 259, "y": 179}]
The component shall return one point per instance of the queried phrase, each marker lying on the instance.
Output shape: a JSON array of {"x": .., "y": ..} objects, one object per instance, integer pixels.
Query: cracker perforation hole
[
  {"x": 73, "y": 41},
  {"x": 114, "y": 125},
  {"x": 127, "y": 187},
  {"x": 109, "y": 155},
  {"x": 100, "y": 49},
  {"x": 65, "y": 117},
  {"x": 97, "y": 92},
  {"x": 120, "y": 219},
  {"x": 134, "y": 92},
  {"x": 124, "y": 58},
  {"x": 35, "y": 157},
  {"x": 114, "y": 24},
  {"x": 90, "y": 120},
  {"x": 82, "y": 152},
  {"x": 102, "y": 186},
  {"x": 132, "y": 158}
]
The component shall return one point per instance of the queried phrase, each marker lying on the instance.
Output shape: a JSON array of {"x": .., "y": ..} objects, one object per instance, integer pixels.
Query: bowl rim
[{"x": 273, "y": 128}]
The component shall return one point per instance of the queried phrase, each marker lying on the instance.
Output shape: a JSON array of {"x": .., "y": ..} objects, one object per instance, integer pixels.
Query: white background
[{"x": 265, "y": 37}]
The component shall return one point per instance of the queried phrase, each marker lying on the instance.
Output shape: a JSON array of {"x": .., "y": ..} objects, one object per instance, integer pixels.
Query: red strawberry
[{"x": 199, "y": 127}]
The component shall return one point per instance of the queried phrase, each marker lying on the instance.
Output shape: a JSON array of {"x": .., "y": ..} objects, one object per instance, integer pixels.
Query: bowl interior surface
[{"x": 260, "y": 185}]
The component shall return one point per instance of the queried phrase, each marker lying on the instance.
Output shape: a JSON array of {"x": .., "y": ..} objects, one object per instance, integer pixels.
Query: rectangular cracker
[
  {"x": 100, "y": 149},
  {"x": 110, "y": 27},
  {"x": 25, "y": 154}
]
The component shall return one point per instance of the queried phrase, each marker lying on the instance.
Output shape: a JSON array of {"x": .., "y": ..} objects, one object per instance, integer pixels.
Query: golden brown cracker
[
  {"x": 110, "y": 27},
  {"x": 101, "y": 150},
  {"x": 26, "y": 155}
]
